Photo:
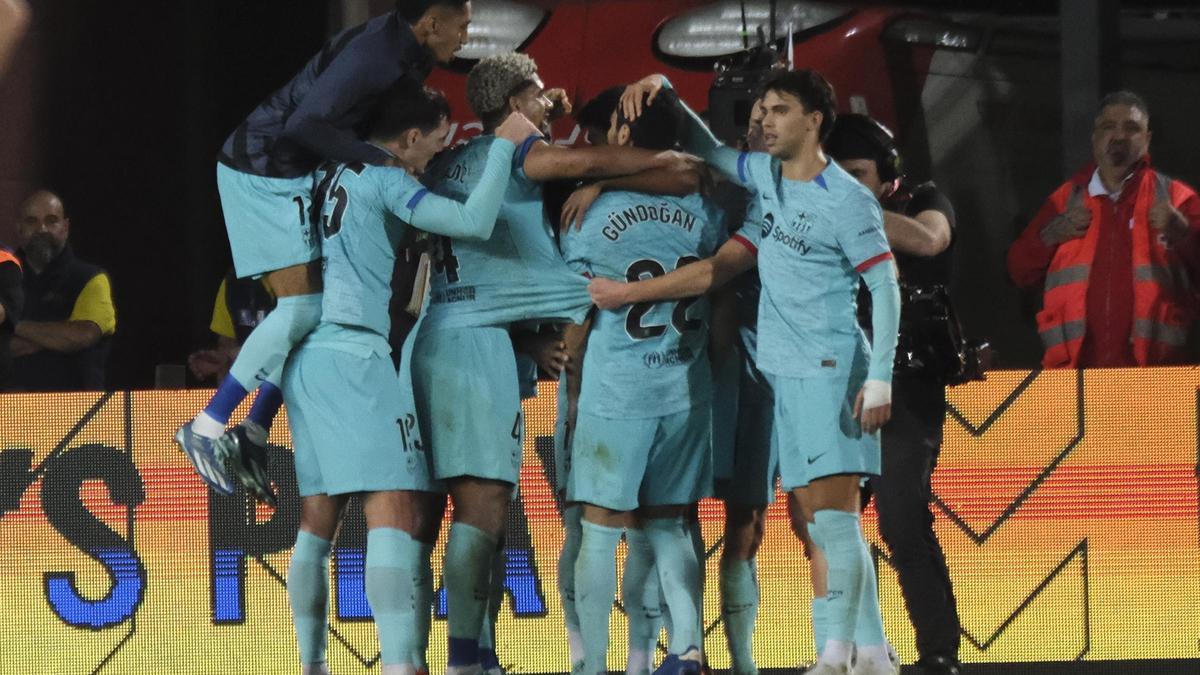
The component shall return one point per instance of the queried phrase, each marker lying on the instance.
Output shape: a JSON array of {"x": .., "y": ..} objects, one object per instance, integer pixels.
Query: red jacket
[{"x": 1120, "y": 295}]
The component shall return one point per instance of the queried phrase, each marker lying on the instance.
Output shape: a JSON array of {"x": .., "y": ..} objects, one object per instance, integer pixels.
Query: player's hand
[
  {"x": 1168, "y": 220},
  {"x": 560, "y": 104},
  {"x": 516, "y": 128},
  {"x": 873, "y": 406},
  {"x": 578, "y": 203},
  {"x": 548, "y": 351},
  {"x": 1070, "y": 224},
  {"x": 208, "y": 364},
  {"x": 608, "y": 294},
  {"x": 646, "y": 89}
]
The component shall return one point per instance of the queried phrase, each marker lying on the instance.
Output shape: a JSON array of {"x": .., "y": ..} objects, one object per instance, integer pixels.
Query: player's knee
[
  {"x": 599, "y": 515},
  {"x": 319, "y": 515},
  {"x": 744, "y": 531},
  {"x": 301, "y": 279},
  {"x": 481, "y": 503}
]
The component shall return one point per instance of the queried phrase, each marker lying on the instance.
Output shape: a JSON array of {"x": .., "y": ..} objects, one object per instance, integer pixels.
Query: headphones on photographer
[{"x": 879, "y": 137}]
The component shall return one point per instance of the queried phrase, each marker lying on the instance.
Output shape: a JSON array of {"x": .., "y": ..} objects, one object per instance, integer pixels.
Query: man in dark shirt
[
  {"x": 265, "y": 176},
  {"x": 61, "y": 342},
  {"x": 920, "y": 229}
]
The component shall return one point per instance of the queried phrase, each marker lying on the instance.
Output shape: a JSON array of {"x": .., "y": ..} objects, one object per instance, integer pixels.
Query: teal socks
[
  {"x": 265, "y": 350},
  {"x": 641, "y": 597},
  {"x": 487, "y": 637},
  {"x": 739, "y": 608},
  {"x": 393, "y": 561},
  {"x": 572, "y": 533},
  {"x": 820, "y": 623},
  {"x": 595, "y": 586},
  {"x": 680, "y": 576},
  {"x": 423, "y": 619},
  {"x": 467, "y": 573},
  {"x": 852, "y": 600},
  {"x": 308, "y": 594}
]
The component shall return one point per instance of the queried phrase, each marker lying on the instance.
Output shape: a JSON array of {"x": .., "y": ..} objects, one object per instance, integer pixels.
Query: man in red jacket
[{"x": 1117, "y": 250}]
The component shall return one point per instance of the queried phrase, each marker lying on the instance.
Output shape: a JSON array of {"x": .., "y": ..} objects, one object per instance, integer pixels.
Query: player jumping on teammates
[{"x": 265, "y": 175}]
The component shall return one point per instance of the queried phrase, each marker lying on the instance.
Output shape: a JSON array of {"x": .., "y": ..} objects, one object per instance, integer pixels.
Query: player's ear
[
  {"x": 623, "y": 135},
  {"x": 411, "y": 137}
]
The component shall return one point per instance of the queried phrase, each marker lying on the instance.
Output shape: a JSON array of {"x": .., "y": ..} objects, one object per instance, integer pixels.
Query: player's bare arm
[
  {"x": 575, "y": 339},
  {"x": 698, "y": 278},
  {"x": 685, "y": 176},
  {"x": 546, "y": 162}
]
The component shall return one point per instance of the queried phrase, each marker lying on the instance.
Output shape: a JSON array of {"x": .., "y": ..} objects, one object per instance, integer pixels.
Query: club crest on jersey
[{"x": 803, "y": 222}]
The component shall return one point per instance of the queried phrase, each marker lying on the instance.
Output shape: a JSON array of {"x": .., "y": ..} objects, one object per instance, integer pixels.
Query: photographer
[{"x": 919, "y": 224}]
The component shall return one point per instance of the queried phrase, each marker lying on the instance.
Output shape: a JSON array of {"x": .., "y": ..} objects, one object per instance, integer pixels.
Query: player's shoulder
[{"x": 757, "y": 169}]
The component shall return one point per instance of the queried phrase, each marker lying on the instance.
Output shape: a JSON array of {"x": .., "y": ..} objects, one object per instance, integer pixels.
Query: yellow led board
[{"x": 1066, "y": 503}]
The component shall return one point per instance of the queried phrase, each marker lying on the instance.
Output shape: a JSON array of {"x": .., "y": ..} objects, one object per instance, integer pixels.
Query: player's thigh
[
  {"x": 302, "y": 279},
  {"x": 609, "y": 460},
  {"x": 408, "y": 510},
  {"x": 319, "y": 514},
  {"x": 481, "y": 503},
  {"x": 468, "y": 402},
  {"x": 679, "y": 470},
  {"x": 267, "y": 220}
]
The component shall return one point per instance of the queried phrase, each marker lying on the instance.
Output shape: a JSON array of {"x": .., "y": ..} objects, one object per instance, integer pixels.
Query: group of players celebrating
[{"x": 686, "y": 370}]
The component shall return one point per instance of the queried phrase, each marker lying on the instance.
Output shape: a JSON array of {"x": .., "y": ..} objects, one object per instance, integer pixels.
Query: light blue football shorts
[
  {"x": 267, "y": 220},
  {"x": 816, "y": 430},
  {"x": 469, "y": 402},
  {"x": 621, "y": 464},
  {"x": 353, "y": 428}
]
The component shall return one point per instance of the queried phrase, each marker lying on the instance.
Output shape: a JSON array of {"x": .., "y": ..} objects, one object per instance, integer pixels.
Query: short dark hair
[
  {"x": 657, "y": 128},
  {"x": 597, "y": 113},
  {"x": 405, "y": 106},
  {"x": 812, "y": 90},
  {"x": 1124, "y": 97},
  {"x": 412, "y": 10},
  {"x": 857, "y": 136}
]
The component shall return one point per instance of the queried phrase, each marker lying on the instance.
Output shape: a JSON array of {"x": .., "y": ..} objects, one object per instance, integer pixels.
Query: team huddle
[{"x": 684, "y": 371}]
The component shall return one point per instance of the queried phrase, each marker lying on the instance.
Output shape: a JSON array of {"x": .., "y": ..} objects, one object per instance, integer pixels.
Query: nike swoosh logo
[{"x": 812, "y": 460}]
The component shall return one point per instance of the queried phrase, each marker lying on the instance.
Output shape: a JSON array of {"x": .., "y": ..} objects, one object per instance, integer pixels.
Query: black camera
[{"x": 931, "y": 342}]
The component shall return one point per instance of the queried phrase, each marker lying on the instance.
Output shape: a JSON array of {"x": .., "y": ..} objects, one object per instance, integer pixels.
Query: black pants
[{"x": 911, "y": 442}]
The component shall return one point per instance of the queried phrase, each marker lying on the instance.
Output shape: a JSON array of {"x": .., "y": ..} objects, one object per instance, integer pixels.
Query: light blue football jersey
[
  {"x": 364, "y": 214},
  {"x": 649, "y": 359},
  {"x": 362, "y": 223},
  {"x": 516, "y": 275},
  {"x": 816, "y": 238}
]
